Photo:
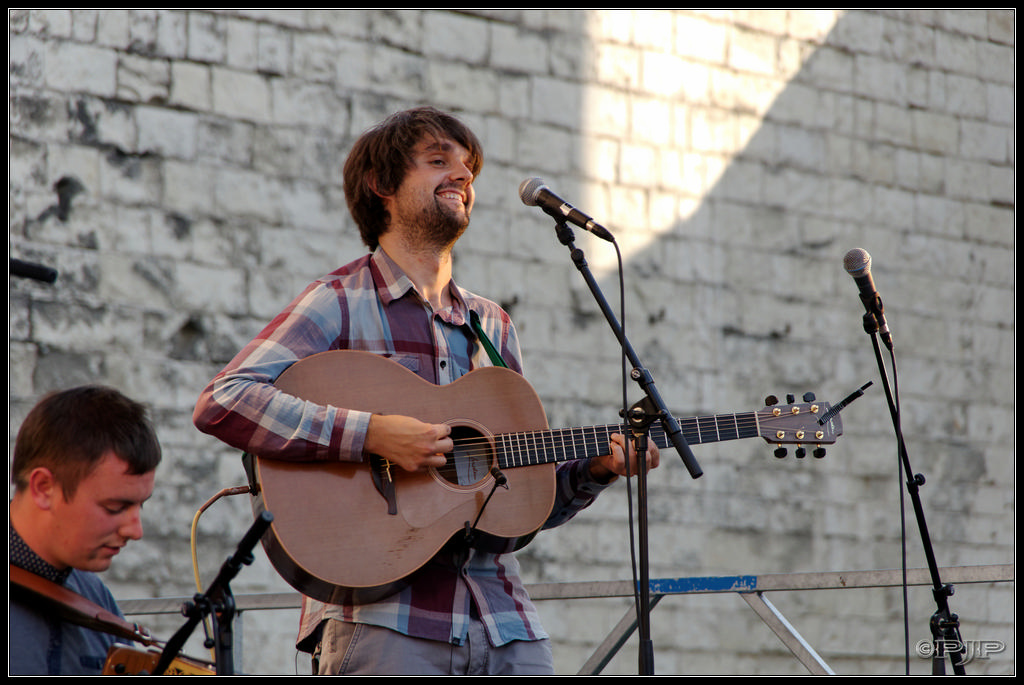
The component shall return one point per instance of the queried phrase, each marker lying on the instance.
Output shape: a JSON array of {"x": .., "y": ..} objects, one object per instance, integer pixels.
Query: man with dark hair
[
  {"x": 380, "y": 159},
  {"x": 409, "y": 185},
  {"x": 84, "y": 462}
]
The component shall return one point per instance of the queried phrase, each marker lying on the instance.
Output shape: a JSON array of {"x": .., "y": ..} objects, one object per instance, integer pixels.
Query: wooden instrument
[
  {"x": 72, "y": 607},
  {"x": 351, "y": 532},
  {"x": 128, "y": 660}
]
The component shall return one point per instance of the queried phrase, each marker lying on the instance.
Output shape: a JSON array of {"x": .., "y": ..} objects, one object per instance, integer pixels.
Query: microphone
[
  {"x": 533, "y": 192},
  {"x": 857, "y": 263},
  {"x": 32, "y": 270}
]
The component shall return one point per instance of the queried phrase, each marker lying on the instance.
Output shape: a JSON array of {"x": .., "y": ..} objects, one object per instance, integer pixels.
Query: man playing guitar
[{"x": 409, "y": 185}]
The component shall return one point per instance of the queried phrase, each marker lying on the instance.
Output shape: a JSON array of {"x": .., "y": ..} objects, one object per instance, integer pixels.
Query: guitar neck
[{"x": 568, "y": 444}]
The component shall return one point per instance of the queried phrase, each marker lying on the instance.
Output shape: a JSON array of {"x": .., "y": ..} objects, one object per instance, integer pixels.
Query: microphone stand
[
  {"x": 640, "y": 416},
  {"x": 944, "y": 625},
  {"x": 218, "y": 603}
]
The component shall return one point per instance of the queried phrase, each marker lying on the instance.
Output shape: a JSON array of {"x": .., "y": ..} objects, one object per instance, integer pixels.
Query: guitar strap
[{"x": 496, "y": 358}]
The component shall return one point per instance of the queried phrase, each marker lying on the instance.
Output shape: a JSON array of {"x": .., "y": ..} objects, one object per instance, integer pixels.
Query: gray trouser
[{"x": 350, "y": 649}]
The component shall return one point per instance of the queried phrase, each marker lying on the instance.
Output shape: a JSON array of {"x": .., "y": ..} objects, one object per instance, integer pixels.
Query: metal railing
[{"x": 751, "y": 588}]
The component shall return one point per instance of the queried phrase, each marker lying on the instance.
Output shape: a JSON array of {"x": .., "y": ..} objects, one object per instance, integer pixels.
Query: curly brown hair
[{"x": 381, "y": 157}]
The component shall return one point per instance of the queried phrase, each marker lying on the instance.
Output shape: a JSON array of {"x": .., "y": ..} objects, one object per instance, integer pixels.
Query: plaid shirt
[{"x": 371, "y": 305}]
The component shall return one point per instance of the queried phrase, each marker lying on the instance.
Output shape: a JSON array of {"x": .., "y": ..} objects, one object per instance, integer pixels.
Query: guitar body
[
  {"x": 340, "y": 535},
  {"x": 347, "y": 532}
]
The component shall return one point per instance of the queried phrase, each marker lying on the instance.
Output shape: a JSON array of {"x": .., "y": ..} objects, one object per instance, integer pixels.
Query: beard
[
  {"x": 434, "y": 225},
  {"x": 440, "y": 226}
]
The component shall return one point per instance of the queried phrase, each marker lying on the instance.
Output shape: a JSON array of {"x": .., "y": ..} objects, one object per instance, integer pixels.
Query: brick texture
[{"x": 181, "y": 170}]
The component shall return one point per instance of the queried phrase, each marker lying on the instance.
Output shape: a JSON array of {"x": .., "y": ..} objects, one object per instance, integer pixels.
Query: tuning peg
[
  {"x": 771, "y": 400},
  {"x": 790, "y": 399},
  {"x": 819, "y": 452},
  {"x": 808, "y": 397},
  {"x": 801, "y": 453},
  {"x": 780, "y": 453}
]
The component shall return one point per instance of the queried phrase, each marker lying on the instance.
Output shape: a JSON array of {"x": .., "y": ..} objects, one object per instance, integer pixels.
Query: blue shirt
[{"x": 40, "y": 642}]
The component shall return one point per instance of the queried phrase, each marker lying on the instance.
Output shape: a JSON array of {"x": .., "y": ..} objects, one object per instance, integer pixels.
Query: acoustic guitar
[{"x": 352, "y": 532}]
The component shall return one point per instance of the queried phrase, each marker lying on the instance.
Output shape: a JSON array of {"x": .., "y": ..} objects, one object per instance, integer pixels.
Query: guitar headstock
[{"x": 804, "y": 424}]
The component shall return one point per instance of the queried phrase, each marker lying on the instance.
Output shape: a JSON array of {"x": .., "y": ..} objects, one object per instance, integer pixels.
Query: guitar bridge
[{"x": 380, "y": 470}]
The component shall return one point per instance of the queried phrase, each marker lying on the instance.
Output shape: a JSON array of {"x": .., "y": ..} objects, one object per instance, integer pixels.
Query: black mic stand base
[{"x": 946, "y": 636}]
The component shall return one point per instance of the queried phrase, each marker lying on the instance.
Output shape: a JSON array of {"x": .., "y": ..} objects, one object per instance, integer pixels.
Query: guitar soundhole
[{"x": 471, "y": 460}]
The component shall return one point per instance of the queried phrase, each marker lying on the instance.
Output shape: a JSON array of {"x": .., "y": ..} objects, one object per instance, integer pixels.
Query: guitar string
[
  {"x": 589, "y": 433},
  {"x": 473, "y": 449}
]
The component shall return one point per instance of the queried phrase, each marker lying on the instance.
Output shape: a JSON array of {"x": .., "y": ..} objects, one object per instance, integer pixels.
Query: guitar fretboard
[{"x": 567, "y": 444}]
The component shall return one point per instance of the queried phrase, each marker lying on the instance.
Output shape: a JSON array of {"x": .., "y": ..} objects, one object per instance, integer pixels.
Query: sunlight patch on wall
[{"x": 680, "y": 94}]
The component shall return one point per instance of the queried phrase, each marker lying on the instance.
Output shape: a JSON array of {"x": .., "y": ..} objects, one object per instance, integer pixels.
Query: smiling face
[
  {"x": 88, "y": 530},
  {"x": 433, "y": 204}
]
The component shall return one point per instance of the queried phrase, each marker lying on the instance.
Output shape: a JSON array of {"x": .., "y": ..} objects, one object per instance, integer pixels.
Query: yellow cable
[{"x": 240, "y": 490}]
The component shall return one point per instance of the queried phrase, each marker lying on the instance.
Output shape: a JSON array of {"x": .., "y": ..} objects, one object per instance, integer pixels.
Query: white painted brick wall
[{"x": 181, "y": 169}]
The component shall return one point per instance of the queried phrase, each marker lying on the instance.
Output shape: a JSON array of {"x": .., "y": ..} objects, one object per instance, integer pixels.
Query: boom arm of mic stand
[
  {"x": 217, "y": 599},
  {"x": 639, "y": 373}
]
